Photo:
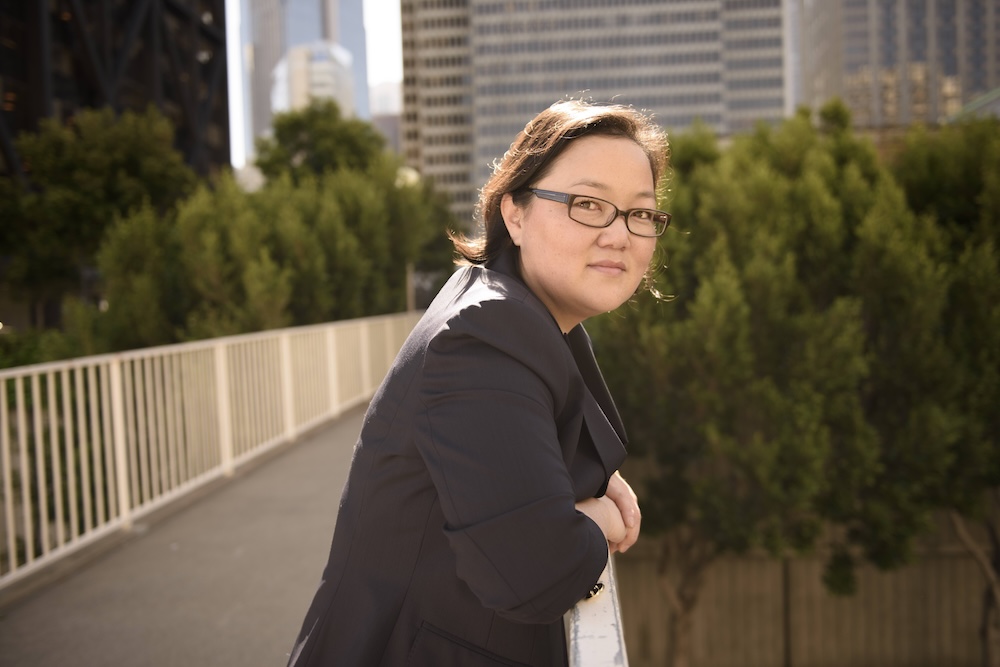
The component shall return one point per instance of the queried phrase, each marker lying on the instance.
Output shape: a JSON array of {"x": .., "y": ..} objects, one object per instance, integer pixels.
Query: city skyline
[
  {"x": 383, "y": 56},
  {"x": 476, "y": 70}
]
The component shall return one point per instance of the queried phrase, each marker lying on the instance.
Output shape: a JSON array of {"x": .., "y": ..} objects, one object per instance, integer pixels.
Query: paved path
[{"x": 222, "y": 581}]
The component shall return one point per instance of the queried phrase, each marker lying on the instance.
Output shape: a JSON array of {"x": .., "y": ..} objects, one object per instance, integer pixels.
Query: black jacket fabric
[{"x": 457, "y": 540}]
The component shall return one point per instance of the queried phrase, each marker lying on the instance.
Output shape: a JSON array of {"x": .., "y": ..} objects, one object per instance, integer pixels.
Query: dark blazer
[{"x": 457, "y": 540}]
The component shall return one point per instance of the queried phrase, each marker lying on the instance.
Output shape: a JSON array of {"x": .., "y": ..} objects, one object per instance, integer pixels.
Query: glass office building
[
  {"x": 476, "y": 70},
  {"x": 896, "y": 62},
  {"x": 57, "y": 57}
]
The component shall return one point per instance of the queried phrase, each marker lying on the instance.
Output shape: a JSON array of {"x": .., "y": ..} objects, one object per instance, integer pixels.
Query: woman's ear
[{"x": 512, "y": 217}]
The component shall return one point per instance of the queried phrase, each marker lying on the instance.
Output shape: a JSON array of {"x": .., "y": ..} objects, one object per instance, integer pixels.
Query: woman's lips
[{"x": 609, "y": 266}]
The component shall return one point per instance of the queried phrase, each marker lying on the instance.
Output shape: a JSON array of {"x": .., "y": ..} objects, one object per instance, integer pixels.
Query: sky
[{"x": 384, "y": 41}]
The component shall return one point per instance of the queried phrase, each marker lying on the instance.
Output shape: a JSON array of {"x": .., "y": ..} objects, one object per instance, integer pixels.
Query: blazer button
[{"x": 598, "y": 587}]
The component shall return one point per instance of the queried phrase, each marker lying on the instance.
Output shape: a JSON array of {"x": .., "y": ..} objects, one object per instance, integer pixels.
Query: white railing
[
  {"x": 595, "y": 636},
  {"x": 89, "y": 445}
]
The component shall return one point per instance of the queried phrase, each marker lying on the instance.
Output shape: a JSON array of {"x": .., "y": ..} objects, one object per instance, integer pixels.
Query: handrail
[
  {"x": 89, "y": 445},
  {"x": 595, "y": 636}
]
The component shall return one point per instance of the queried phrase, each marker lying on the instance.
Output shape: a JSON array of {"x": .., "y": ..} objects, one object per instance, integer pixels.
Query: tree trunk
[
  {"x": 679, "y": 638},
  {"x": 989, "y": 565},
  {"x": 683, "y": 561},
  {"x": 989, "y": 630}
]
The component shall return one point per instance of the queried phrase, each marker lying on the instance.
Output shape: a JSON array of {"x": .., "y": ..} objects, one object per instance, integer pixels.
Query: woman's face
[{"x": 579, "y": 271}]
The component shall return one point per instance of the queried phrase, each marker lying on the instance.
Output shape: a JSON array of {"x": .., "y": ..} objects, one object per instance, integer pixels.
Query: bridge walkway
[{"x": 220, "y": 579}]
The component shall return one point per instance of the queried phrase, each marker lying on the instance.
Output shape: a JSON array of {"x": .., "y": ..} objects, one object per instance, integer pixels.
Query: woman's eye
[
  {"x": 642, "y": 216},
  {"x": 588, "y": 204}
]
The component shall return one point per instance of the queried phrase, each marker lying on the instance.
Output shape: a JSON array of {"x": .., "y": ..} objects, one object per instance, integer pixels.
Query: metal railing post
[
  {"x": 118, "y": 438},
  {"x": 287, "y": 386},
  {"x": 331, "y": 363},
  {"x": 222, "y": 402},
  {"x": 366, "y": 360},
  {"x": 152, "y": 425}
]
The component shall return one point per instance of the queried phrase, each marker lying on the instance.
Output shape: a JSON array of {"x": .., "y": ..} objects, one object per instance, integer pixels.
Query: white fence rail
[{"x": 89, "y": 445}]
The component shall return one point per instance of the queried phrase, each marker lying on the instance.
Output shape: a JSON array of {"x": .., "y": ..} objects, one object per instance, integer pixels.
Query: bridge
[
  {"x": 222, "y": 577},
  {"x": 174, "y": 506}
]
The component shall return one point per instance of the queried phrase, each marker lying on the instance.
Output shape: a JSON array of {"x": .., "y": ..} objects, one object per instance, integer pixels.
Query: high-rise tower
[
  {"x": 267, "y": 18},
  {"x": 59, "y": 57},
  {"x": 895, "y": 62},
  {"x": 476, "y": 70}
]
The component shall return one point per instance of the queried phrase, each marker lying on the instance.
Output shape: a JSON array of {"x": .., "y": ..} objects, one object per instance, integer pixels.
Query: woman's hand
[
  {"x": 627, "y": 503},
  {"x": 605, "y": 514}
]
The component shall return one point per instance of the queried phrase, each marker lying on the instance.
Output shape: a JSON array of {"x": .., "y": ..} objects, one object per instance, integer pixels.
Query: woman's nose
[{"x": 614, "y": 234}]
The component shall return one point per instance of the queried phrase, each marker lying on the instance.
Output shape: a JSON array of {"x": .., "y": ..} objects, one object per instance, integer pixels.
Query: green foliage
[
  {"x": 839, "y": 574},
  {"x": 234, "y": 282},
  {"x": 691, "y": 148},
  {"x": 952, "y": 177},
  {"x": 835, "y": 117},
  {"x": 81, "y": 337},
  {"x": 142, "y": 286},
  {"x": 330, "y": 236},
  {"x": 831, "y": 359},
  {"x": 83, "y": 175},
  {"x": 318, "y": 139},
  {"x": 330, "y": 247},
  {"x": 296, "y": 216},
  {"x": 945, "y": 172}
]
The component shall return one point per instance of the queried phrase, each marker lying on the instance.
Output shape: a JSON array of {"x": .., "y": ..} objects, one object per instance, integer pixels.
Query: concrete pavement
[{"x": 223, "y": 581}]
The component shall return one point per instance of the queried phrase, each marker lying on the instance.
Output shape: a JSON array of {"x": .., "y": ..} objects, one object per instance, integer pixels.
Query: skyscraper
[
  {"x": 895, "y": 62},
  {"x": 350, "y": 33},
  {"x": 476, "y": 70},
  {"x": 304, "y": 21},
  {"x": 59, "y": 57},
  {"x": 267, "y": 18},
  {"x": 320, "y": 70}
]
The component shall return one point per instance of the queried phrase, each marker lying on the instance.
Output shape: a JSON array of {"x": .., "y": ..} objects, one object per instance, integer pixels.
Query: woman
[{"x": 483, "y": 497}]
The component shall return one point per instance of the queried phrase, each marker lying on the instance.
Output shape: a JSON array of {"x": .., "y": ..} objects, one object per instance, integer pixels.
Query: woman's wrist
[{"x": 605, "y": 514}]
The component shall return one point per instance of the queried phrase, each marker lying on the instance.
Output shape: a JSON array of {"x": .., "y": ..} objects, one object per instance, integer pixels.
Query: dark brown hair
[{"x": 532, "y": 153}]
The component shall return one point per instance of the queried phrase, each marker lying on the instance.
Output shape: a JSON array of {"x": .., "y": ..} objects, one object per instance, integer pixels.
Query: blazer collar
[
  {"x": 583, "y": 353},
  {"x": 507, "y": 262}
]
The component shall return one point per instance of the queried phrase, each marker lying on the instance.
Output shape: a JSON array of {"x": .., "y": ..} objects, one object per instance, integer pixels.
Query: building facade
[
  {"x": 321, "y": 70},
  {"x": 476, "y": 70},
  {"x": 348, "y": 30},
  {"x": 60, "y": 56},
  {"x": 895, "y": 62},
  {"x": 267, "y": 21},
  {"x": 304, "y": 21}
]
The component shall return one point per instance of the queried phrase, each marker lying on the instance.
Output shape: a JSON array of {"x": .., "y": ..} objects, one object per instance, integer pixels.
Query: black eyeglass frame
[{"x": 568, "y": 199}]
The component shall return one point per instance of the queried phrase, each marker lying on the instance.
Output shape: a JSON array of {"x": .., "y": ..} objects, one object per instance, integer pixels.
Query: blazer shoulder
[
  {"x": 491, "y": 304},
  {"x": 484, "y": 326},
  {"x": 501, "y": 311}
]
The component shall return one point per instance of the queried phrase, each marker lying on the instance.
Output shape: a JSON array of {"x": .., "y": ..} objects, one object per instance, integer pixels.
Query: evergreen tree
[
  {"x": 952, "y": 176},
  {"x": 318, "y": 139},
  {"x": 225, "y": 248},
  {"x": 765, "y": 400},
  {"x": 82, "y": 175}
]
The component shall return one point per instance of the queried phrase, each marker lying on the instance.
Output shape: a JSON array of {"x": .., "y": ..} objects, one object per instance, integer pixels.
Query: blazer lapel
[{"x": 599, "y": 411}]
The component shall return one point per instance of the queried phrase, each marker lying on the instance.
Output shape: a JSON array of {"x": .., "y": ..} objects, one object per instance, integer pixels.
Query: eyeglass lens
[{"x": 598, "y": 213}]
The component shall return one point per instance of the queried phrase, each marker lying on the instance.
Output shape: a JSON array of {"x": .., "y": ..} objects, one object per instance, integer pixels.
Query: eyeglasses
[{"x": 596, "y": 212}]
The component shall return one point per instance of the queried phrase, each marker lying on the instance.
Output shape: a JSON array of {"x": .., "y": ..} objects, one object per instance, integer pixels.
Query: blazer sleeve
[{"x": 497, "y": 381}]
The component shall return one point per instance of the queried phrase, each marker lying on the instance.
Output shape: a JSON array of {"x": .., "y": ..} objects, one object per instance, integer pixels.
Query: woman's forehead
[{"x": 604, "y": 164}]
